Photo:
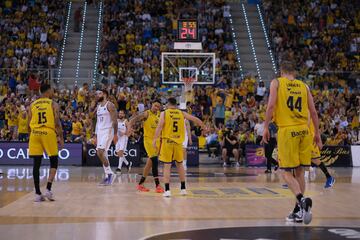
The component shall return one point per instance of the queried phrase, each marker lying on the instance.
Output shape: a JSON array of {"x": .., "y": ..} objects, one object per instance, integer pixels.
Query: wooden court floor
[{"x": 217, "y": 198}]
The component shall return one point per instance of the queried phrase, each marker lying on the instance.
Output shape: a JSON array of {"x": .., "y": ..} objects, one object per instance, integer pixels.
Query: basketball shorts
[
  {"x": 121, "y": 143},
  {"x": 43, "y": 140},
  {"x": 171, "y": 151},
  {"x": 294, "y": 146},
  {"x": 315, "y": 151},
  {"x": 104, "y": 138},
  {"x": 150, "y": 150}
]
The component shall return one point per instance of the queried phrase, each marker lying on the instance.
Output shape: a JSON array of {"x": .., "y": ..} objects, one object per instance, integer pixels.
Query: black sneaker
[
  {"x": 306, "y": 204},
  {"x": 267, "y": 171},
  {"x": 276, "y": 168},
  {"x": 118, "y": 171}
]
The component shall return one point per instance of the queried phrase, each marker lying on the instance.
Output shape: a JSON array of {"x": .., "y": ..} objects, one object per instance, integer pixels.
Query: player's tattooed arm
[
  {"x": 113, "y": 114},
  {"x": 159, "y": 128},
  {"x": 138, "y": 117}
]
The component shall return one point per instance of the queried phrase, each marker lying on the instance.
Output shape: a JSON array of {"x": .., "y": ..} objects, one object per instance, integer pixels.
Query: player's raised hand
[{"x": 266, "y": 136}]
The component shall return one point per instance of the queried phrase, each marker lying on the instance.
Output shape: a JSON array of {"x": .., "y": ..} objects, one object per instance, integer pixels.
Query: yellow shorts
[
  {"x": 150, "y": 150},
  {"x": 171, "y": 151},
  {"x": 43, "y": 140},
  {"x": 315, "y": 151},
  {"x": 294, "y": 146}
]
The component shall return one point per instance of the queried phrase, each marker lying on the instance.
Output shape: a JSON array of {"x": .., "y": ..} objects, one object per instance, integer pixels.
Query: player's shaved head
[{"x": 172, "y": 101}]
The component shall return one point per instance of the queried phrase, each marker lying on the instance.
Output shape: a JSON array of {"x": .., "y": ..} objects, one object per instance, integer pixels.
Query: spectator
[
  {"x": 77, "y": 129},
  {"x": 23, "y": 125}
]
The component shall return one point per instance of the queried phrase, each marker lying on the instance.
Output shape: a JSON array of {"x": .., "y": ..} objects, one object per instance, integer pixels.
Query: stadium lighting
[
  {"x": 267, "y": 39},
  {"x": 97, "y": 42},
  {"x": 80, "y": 45},
  {"x": 251, "y": 42},
  {"x": 64, "y": 43},
  {"x": 236, "y": 46}
]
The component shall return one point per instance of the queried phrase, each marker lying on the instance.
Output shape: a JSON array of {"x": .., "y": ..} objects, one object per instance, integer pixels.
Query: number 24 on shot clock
[{"x": 187, "y": 30}]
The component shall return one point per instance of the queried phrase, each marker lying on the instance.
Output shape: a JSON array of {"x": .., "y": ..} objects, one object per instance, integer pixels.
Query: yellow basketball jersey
[
  {"x": 42, "y": 114},
  {"x": 174, "y": 128},
  {"x": 292, "y": 103},
  {"x": 150, "y": 124}
]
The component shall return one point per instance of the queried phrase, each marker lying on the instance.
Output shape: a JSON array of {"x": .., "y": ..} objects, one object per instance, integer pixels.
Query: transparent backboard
[{"x": 177, "y": 65}]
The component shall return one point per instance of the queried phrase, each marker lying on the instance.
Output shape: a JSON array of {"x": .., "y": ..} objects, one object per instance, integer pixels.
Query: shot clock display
[{"x": 187, "y": 30}]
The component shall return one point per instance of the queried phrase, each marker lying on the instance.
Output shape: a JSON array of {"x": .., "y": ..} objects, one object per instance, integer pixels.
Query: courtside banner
[
  {"x": 355, "y": 152},
  {"x": 255, "y": 156},
  {"x": 336, "y": 156},
  {"x": 17, "y": 153},
  {"x": 132, "y": 154}
]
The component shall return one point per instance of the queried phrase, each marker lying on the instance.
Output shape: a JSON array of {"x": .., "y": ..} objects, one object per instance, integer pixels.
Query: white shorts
[
  {"x": 104, "y": 138},
  {"x": 185, "y": 143},
  {"x": 121, "y": 144}
]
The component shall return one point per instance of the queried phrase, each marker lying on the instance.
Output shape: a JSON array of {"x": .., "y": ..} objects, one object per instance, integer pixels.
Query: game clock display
[{"x": 187, "y": 30}]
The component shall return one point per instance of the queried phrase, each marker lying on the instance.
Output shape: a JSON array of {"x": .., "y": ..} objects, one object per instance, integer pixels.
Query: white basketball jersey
[
  {"x": 103, "y": 117},
  {"x": 121, "y": 126}
]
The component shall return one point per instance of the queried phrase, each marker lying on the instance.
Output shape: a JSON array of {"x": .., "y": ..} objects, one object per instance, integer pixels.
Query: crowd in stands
[
  {"x": 322, "y": 36},
  {"x": 31, "y": 33},
  {"x": 136, "y": 32},
  {"x": 130, "y": 55}
]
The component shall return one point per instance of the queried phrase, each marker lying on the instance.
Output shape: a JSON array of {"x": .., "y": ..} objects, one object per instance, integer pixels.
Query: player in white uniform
[
  {"x": 122, "y": 142},
  {"x": 106, "y": 125},
  {"x": 186, "y": 142}
]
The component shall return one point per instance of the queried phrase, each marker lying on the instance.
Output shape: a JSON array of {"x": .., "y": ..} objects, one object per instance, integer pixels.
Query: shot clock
[{"x": 187, "y": 30}]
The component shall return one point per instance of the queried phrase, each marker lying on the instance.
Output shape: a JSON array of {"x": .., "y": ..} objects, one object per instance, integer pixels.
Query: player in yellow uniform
[
  {"x": 291, "y": 102},
  {"x": 172, "y": 129},
  {"x": 45, "y": 130},
  {"x": 150, "y": 120},
  {"x": 315, "y": 158}
]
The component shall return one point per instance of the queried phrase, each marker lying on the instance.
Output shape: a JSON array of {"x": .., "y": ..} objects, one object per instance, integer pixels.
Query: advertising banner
[
  {"x": 193, "y": 153},
  {"x": 336, "y": 156},
  {"x": 17, "y": 153},
  {"x": 255, "y": 156},
  {"x": 131, "y": 154}
]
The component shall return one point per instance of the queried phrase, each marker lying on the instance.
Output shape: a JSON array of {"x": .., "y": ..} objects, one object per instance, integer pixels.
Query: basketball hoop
[{"x": 188, "y": 83}]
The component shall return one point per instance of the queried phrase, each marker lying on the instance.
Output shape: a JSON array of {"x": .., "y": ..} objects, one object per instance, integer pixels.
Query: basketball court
[{"x": 225, "y": 202}]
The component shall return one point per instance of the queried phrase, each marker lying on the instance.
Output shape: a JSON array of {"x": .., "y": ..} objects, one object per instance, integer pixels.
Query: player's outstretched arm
[
  {"x": 314, "y": 118},
  {"x": 30, "y": 116},
  {"x": 196, "y": 120},
  {"x": 138, "y": 117},
  {"x": 58, "y": 127},
  {"x": 270, "y": 109}
]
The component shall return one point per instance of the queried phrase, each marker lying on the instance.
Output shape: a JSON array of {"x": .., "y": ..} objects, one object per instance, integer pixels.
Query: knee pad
[{"x": 54, "y": 162}]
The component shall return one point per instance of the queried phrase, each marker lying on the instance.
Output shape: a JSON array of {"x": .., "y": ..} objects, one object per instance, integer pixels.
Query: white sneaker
[
  {"x": 183, "y": 192},
  {"x": 39, "y": 198},
  {"x": 49, "y": 195},
  {"x": 167, "y": 194},
  {"x": 237, "y": 164}
]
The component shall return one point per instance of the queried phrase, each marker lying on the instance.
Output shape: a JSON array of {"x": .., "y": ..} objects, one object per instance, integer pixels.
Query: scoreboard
[{"x": 188, "y": 30}]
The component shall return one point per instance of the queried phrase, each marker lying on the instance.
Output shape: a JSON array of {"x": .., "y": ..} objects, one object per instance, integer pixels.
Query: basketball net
[{"x": 187, "y": 90}]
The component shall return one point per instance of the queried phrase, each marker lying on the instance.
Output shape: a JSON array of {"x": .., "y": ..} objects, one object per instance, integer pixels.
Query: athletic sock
[
  {"x": 299, "y": 197},
  {"x": 48, "y": 186},
  {"x": 183, "y": 185},
  {"x": 157, "y": 182},
  {"x": 142, "y": 180},
  {"x": 324, "y": 169},
  {"x": 167, "y": 186}
]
